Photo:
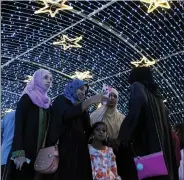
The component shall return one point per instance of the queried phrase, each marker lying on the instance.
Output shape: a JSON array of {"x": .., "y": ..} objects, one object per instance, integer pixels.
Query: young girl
[{"x": 102, "y": 157}]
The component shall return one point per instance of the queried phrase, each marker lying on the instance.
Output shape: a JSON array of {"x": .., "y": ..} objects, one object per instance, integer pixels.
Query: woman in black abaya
[
  {"x": 70, "y": 123},
  {"x": 139, "y": 128}
]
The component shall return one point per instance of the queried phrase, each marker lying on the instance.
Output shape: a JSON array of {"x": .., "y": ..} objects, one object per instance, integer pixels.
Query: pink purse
[
  {"x": 47, "y": 159},
  {"x": 151, "y": 165}
]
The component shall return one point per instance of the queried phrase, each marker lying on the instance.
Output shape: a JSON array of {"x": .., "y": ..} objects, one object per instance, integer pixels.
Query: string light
[
  {"x": 117, "y": 33},
  {"x": 67, "y": 42},
  {"x": 82, "y": 75},
  {"x": 28, "y": 79},
  {"x": 154, "y": 4},
  {"x": 58, "y": 4}
]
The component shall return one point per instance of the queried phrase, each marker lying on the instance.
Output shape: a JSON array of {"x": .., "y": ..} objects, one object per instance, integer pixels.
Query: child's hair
[{"x": 94, "y": 126}]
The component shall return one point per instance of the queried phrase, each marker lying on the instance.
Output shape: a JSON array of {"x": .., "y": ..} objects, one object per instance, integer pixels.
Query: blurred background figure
[
  {"x": 179, "y": 130},
  {"x": 7, "y": 134}
]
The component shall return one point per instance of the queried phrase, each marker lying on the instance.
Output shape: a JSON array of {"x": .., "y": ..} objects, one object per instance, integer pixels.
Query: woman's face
[
  {"x": 47, "y": 81},
  {"x": 112, "y": 99},
  {"x": 100, "y": 132},
  {"x": 81, "y": 92}
]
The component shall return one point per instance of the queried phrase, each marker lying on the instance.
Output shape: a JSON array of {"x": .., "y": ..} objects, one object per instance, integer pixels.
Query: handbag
[
  {"x": 47, "y": 159},
  {"x": 151, "y": 165}
]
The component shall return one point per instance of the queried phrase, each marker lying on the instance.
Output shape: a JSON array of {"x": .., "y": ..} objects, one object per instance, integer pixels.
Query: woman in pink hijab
[{"x": 31, "y": 121}]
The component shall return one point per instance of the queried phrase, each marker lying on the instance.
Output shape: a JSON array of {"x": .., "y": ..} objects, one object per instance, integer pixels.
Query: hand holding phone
[{"x": 106, "y": 90}]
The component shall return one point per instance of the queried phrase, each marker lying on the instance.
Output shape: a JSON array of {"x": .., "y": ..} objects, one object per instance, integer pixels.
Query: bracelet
[{"x": 18, "y": 153}]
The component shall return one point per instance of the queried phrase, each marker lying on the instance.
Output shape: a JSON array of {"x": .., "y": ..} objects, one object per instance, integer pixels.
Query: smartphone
[{"x": 106, "y": 90}]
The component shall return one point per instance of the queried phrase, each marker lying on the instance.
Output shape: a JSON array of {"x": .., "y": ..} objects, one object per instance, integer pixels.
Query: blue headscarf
[{"x": 71, "y": 89}]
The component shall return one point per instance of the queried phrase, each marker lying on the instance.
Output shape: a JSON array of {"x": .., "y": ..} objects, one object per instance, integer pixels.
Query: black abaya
[
  {"x": 30, "y": 129},
  {"x": 72, "y": 127},
  {"x": 139, "y": 128}
]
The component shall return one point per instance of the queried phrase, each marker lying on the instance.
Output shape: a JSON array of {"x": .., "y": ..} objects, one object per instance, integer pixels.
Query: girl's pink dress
[{"x": 103, "y": 164}]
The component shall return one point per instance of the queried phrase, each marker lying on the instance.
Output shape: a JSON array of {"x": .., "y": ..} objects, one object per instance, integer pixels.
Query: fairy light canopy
[{"x": 114, "y": 34}]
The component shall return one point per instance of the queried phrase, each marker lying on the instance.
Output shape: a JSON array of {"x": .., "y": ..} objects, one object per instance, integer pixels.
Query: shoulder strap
[
  {"x": 47, "y": 129},
  {"x": 153, "y": 111}
]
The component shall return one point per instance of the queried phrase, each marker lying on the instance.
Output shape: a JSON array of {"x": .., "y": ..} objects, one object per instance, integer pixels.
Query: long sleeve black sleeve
[
  {"x": 63, "y": 112},
  {"x": 20, "y": 118},
  {"x": 137, "y": 99},
  {"x": 71, "y": 111},
  {"x": 88, "y": 128}
]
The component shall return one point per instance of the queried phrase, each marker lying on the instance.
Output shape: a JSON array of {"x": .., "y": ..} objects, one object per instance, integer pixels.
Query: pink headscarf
[{"x": 36, "y": 89}]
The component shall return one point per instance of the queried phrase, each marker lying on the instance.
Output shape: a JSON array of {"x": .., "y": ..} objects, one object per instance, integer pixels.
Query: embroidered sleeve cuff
[{"x": 18, "y": 153}]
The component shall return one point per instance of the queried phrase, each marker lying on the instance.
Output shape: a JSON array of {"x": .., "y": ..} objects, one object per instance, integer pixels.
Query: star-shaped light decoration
[
  {"x": 58, "y": 5},
  {"x": 153, "y": 4},
  {"x": 28, "y": 79},
  {"x": 82, "y": 75},
  {"x": 67, "y": 42},
  {"x": 144, "y": 62}
]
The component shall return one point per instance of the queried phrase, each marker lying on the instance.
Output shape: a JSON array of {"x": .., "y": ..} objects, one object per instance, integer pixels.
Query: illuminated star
[
  {"x": 144, "y": 62},
  {"x": 67, "y": 42},
  {"x": 82, "y": 75},
  {"x": 153, "y": 4},
  {"x": 28, "y": 79},
  {"x": 58, "y": 4}
]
